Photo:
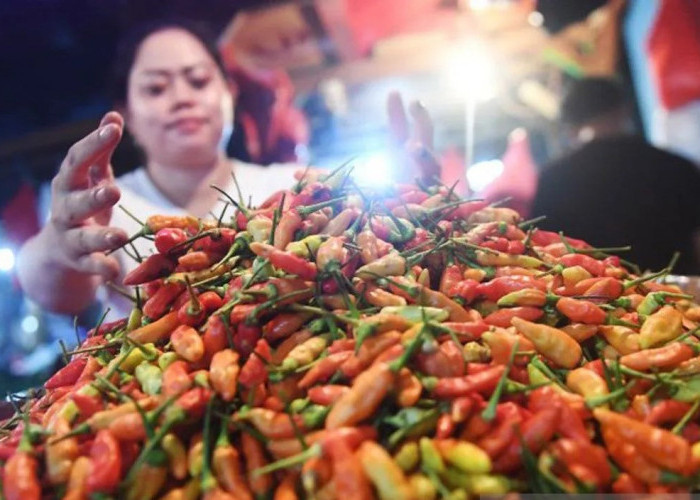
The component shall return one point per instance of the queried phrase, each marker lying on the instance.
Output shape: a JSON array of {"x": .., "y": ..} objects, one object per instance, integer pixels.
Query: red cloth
[{"x": 674, "y": 52}]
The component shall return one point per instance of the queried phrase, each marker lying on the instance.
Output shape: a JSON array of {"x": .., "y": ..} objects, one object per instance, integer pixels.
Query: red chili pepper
[
  {"x": 450, "y": 277},
  {"x": 105, "y": 328},
  {"x": 461, "y": 408},
  {"x": 578, "y": 455},
  {"x": 508, "y": 418},
  {"x": 496, "y": 243},
  {"x": 542, "y": 238},
  {"x": 253, "y": 372},
  {"x": 535, "y": 433},
  {"x": 325, "y": 368},
  {"x": 516, "y": 247},
  {"x": 87, "y": 405},
  {"x": 106, "y": 458},
  {"x": 176, "y": 378},
  {"x": 286, "y": 261},
  {"x": 609, "y": 288},
  {"x": 20, "y": 479},
  {"x": 484, "y": 381},
  {"x": 283, "y": 325},
  {"x": 660, "y": 446},
  {"x": 158, "y": 304},
  {"x": 246, "y": 337},
  {"x": 468, "y": 331},
  {"x": 593, "y": 266},
  {"x": 665, "y": 412},
  {"x": 467, "y": 290},
  {"x": 581, "y": 311},
  {"x": 326, "y": 395},
  {"x": 153, "y": 267},
  {"x": 341, "y": 345},
  {"x": 215, "y": 337},
  {"x": 168, "y": 238},
  {"x": 668, "y": 356},
  {"x": 628, "y": 484},
  {"x": 67, "y": 375},
  {"x": 445, "y": 426},
  {"x": 498, "y": 287},
  {"x": 503, "y": 317},
  {"x": 351, "y": 483},
  {"x": 570, "y": 424}
]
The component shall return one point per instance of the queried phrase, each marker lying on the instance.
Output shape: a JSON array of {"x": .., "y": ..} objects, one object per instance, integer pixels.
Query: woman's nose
[{"x": 182, "y": 93}]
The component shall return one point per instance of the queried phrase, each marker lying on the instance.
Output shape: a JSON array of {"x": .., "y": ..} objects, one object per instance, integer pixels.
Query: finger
[
  {"x": 422, "y": 124},
  {"x": 90, "y": 239},
  {"x": 106, "y": 266},
  {"x": 398, "y": 124},
  {"x": 429, "y": 168},
  {"x": 71, "y": 209},
  {"x": 97, "y": 145},
  {"x": 102, "y": 169}
]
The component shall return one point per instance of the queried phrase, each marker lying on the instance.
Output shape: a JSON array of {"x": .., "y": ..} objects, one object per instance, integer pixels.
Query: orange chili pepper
[
  {"x": 659, "y": 446},
  {"x": 366, "y": 394}
]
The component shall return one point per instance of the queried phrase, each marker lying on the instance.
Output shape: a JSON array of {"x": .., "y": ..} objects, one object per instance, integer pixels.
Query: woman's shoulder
[{"x": 259, "y": 181}]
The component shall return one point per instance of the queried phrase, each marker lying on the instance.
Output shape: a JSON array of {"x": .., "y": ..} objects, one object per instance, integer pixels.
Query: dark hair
[
  {"x": 591, "y": 98},
  {"x": 129, "y": 44}
]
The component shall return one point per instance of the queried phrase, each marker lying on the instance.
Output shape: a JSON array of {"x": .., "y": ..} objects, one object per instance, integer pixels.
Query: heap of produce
[{"x": 345, "y": 343}]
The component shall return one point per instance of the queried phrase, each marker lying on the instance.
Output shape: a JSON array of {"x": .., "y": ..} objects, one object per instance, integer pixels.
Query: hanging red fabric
[{"x": 674, "y": 52}]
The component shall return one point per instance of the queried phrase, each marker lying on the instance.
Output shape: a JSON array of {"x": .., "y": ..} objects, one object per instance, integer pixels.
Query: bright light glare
[
  {"x": 30, "y": 324},
  {"x": 535, "y": 19},
  {"x": 373, "y": 169},
  {"x": 7, "y": 259},
  {"x": 470, "y": 72},
  {"x": 483, "y": 173}
]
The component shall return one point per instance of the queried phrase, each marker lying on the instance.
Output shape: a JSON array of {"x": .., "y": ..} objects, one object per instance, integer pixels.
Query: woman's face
[{"x": 178, "y": 104}]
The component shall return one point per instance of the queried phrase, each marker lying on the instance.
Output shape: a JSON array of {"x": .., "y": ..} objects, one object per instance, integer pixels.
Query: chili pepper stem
[
  {"x": 312, "y": 451},
  {"x": 678, "y": 428}
]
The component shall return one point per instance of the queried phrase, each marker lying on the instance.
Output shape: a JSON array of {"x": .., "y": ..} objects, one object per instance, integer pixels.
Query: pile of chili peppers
[{"x": 345, "y": 343}]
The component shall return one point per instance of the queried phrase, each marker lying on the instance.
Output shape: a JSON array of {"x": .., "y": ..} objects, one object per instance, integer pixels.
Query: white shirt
[{"x": 141, "y": 197}]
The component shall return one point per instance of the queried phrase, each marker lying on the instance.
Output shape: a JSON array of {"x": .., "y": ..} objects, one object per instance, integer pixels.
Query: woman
[{"x": 176, "y": 104}]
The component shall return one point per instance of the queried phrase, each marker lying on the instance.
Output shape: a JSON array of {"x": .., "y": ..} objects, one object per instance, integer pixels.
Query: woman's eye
[
  {"x": 199, "y": 82},
  {"x": 154, "y": 90}
]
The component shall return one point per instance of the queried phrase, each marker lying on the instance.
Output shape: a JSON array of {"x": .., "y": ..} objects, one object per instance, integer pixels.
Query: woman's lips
[{"x": 187, "y": 125}]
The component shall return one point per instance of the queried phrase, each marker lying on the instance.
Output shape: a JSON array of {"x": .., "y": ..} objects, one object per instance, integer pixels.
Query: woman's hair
[
  {"x": 591, "y": 98},
  {"x": 128, "y": 47}
]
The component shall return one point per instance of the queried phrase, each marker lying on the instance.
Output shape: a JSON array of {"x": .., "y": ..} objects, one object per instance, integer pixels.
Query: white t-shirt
[{"x": 142, "y": 198}]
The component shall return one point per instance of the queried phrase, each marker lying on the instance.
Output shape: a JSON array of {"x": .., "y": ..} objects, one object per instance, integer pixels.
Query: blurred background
[{"x": 312, "y": 80}]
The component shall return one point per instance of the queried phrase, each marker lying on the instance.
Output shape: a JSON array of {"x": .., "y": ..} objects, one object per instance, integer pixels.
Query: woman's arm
[{"x": 61, "y": 267}]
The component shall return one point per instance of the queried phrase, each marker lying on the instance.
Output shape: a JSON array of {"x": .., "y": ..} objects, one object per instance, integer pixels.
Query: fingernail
[
  {"x": 101, "y": 194},
  {"x": 114, "y": 238},
  {"x": 106, "y": 132}
]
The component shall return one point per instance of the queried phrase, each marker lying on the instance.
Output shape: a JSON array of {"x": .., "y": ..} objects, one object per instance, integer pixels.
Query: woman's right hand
[{"x": 83, "y": 193}]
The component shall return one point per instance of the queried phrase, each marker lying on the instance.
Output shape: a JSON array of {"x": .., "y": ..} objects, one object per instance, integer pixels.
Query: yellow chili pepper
[
  {"x": 494, "y": 258},
  {"x": 177, "y": 455},
  {"x": 623, "y": 339},
  {"x": 408, "y": 456},
  {"x": 663, "y": 326},
  {"x": 383, "y": 472},
  {"x": 574, "y": 274},
  {"x": 551, "y": 342},
  {"x": 587, "y": 383}
]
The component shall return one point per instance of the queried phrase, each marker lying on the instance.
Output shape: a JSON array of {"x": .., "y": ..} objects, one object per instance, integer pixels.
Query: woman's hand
[
  {"x": 413, "y": 145},
  {"x": 82, "y": 195},
  {"x": 61, "y": 267}
]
